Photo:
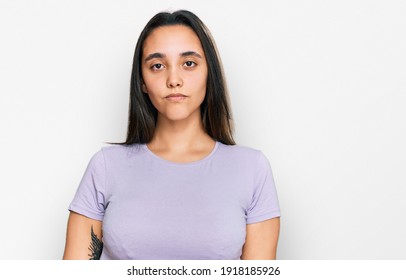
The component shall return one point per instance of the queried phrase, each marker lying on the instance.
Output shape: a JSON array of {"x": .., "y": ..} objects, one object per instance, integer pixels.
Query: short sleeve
[
  {"x": 264, "y": 204},
  {"x": 89, "y": 199}
]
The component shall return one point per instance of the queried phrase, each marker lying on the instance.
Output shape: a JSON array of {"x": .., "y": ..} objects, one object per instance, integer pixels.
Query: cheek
[
  {"x": 200, "y": 82},
  {"x": 151, "y": 84}
]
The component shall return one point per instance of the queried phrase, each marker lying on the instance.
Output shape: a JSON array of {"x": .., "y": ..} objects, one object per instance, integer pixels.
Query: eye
[
  {"x": 157, "y": 66},
  {"x": 190, "y": 64}
]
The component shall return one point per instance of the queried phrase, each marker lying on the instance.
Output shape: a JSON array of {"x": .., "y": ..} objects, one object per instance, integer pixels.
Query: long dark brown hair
[{"x": 215, "y": 110}]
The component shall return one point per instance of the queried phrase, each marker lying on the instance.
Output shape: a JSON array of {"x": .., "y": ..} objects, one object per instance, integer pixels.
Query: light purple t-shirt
[{"x": 153, "y": 208}]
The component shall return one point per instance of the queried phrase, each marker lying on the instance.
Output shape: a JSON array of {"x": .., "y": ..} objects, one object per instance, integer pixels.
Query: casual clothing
[{"x": 153, "y": 208}]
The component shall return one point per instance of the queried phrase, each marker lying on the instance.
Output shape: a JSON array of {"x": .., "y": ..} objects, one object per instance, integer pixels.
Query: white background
[{"x": 318, "y": 86}]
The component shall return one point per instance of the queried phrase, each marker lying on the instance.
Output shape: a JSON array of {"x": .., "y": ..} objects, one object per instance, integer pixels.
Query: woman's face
[{"x": 173, "y": 63}]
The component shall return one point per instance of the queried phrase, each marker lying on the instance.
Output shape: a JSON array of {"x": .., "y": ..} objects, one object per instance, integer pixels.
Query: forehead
[{"x": 172, "y": 39}]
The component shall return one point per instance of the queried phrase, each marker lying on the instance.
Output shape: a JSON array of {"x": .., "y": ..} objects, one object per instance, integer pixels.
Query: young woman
[{"x": 179, "y": 187}]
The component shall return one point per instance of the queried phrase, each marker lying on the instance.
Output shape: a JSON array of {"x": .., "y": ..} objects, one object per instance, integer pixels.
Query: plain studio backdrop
[{"x": 318, "y": 86}]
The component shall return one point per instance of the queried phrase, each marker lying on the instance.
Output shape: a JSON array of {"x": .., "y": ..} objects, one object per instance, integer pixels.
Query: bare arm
[
  {"x": 83, "y": 238},
  {"x": 262, "y": 240}
]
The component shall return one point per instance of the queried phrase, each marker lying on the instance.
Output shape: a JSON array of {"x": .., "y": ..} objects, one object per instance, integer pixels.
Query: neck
[{"x": 180, "y": 135}]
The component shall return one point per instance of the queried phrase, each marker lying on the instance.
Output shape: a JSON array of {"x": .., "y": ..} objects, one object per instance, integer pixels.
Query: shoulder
[
  {"x": 113, "y": 151},
  {"x": 114, "y": 154},
  {"x": 241, "y": 152},
  {"x": 243, "y": 156}
]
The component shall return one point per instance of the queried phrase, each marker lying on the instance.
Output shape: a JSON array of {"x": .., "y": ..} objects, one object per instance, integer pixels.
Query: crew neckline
[{"x": 210, "y": 155}]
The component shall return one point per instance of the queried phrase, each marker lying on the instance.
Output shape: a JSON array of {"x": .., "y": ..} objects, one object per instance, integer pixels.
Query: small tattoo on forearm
[{"x": 96, "y": 246}]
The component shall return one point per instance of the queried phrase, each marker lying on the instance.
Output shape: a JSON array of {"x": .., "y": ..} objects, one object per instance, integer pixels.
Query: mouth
[{"x": 176, "y": 97}]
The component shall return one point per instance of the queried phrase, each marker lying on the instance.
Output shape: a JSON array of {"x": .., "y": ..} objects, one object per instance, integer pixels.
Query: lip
[{"x": 175, "y": 97}]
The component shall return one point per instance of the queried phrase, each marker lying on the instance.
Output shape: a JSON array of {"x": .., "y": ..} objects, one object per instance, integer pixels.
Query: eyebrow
[
  {"x": 161, "y": 55},
  {"x": 190, "y": 53}
]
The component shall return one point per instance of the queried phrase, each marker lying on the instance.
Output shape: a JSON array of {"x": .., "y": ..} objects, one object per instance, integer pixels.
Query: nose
[{"x": 174, "y": 79}]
